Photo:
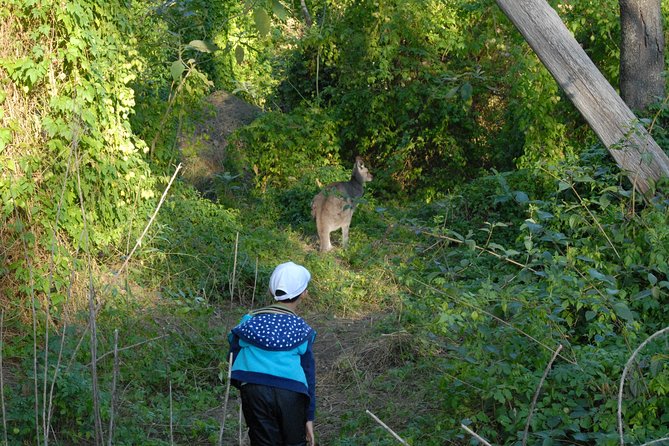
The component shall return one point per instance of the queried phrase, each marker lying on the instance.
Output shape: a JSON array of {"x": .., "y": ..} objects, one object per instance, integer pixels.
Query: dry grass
[{"x": 350, "y": 355}]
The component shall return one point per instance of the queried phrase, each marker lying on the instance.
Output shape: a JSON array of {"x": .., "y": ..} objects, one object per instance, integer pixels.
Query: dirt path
[{"x": 350, "y": 353}]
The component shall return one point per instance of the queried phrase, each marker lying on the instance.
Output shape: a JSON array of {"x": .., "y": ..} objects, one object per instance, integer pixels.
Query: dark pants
[{"x": 276, "y": 417}]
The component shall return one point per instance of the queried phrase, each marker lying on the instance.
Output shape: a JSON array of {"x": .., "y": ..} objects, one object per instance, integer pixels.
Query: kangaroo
[{"x": 333, "y": 206}]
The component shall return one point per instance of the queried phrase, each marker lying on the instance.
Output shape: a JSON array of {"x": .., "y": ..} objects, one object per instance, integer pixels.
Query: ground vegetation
[{"x": 502, "y": 273}]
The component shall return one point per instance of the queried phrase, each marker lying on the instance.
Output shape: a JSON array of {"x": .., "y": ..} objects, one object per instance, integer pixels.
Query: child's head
[{"x": 288, "y": 281}]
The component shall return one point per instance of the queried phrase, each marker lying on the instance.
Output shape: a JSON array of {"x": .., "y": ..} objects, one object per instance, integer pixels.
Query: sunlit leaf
[
  {"x": 239, "y": 54},
  {"x": 202, "y": 46},
  {"x": 466, "y": 91},
  {"x": 262, "y": 21},
  {"x": 279, "y": 10},
  {"x": 177, "y": 69}
]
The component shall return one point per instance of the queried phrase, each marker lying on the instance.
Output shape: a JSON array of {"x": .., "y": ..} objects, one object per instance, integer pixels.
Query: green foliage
[
  {"x": 586, "y": 272},
  {"x": 73, "y": 171},
  {"x": 174, "y": 377},
  {"x": 190, "y": 246},
  {"x": 279, "y": 146}
]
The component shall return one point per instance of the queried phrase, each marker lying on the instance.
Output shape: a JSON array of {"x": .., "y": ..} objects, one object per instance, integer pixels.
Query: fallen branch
[
  {"x": 148, "y": 225},
  {"x": 383, "y": 425},
  {"x": 475, "y": 435},
  {"x": 536, "y": 394},
  {"x": 622, "y": 380}
]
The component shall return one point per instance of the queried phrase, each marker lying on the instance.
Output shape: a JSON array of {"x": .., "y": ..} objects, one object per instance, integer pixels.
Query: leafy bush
[{"x": 281, "y": 146}]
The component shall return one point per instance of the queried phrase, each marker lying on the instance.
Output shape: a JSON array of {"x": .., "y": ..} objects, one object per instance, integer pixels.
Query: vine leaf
[
  {"x": 239, "y": 54},
  {"x": 203, "y": 46},
  {"x": 261, "y": 19},
  {"x": 279, "y": 10},
  {"x": 177, "y": 69},
  {"x": 623, "y": 311}
]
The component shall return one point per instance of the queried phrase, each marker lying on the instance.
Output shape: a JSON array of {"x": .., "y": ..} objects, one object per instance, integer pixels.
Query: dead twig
[
  {"x": 137, "y": 344},
  {"x": 624, "y": 375},
  {"x": 475, "y": 435},
  {"x": 383, "y": 425},
  {"x": 480, "y": 248},
  {"x": 225, "y": 402},
  {"x": 234, "y": 271},
  {"x": 92, "y": 312},
  {"x": 2, "y": 379},
  {"x": 148, "y": 225},
  {"x": 660, "y": 440},
  {"x": 536, "y": 394},
  {"x": 171, "y": 417},
  {"x": 113, "y": 390}
]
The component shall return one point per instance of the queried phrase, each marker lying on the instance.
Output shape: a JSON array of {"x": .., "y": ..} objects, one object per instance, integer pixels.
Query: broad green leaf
[
  {"x": 452, "y": 92},
  {"x": 239, "y": 54},
  {"x": 466, "y": 91},
  {"x": 521, "y": 197},
  {"x": 177, "y": 69},
  {"x": 203, "y": 46},
  {"x": 5, "y": 138},
  {"x": 562, "y": 185},
  {"x": 590, "y": 315},
  {"x": 623, "y": 311},
  {"x": 652, "y": 279},
  {"x": 279, "y": 10},
  {"x": 261, "y": 19},
  {"x": 596, "y": 274}
]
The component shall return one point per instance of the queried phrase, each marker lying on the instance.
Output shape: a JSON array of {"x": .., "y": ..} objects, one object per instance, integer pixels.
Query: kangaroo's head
[{"x": 361, "y": 173}]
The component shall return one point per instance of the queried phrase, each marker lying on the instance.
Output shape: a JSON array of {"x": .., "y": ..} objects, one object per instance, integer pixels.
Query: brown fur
[{"x": 334, "y": 205}]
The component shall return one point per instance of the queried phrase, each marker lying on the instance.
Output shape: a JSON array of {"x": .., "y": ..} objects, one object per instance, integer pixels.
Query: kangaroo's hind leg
[{"x": 323, "y": 235}]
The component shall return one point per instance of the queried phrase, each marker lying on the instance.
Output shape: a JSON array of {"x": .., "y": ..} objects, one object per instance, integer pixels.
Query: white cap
[{"x": 290, "y": 278}]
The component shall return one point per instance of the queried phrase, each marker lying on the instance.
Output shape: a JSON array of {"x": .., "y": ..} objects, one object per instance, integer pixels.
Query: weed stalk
[{"x": 536, "y": 393}]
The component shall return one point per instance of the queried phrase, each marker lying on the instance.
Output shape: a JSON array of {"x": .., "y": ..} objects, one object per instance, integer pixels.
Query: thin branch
[
  {"x": 2, "y": 380},
  {"x": 480, "y": 248},
  {"x": 305, "y": 13},
  {"x": 171, "y": 417},
  {"x": 475, "y": 435},
  {"x": 160, "y": 203},
  {"x": 34, "y": 318},
  {"x": 99, "y": 436},
  {"x": 656, "y": 441},
  {"x": 622, "y": 379},
  {"x": 113, "y": 390},
  {"x": 536, "y": 393},
  {"x": 255, "y": 282},
  {"x": 383, "y": 425},
  {"x": 225, "y": 402},
  {"x": 131, "y": 346},
  {"x": 501, "y": 321},
  {"x": 234, "y": 270},
  {"x": 48, "y": 403}
]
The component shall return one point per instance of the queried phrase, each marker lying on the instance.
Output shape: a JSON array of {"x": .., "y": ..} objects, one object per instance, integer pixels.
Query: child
[{"x": 273, "y": 364}]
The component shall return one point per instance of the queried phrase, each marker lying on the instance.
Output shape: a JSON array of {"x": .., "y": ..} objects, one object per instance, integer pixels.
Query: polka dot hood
[{"x": 271, "y": 331}]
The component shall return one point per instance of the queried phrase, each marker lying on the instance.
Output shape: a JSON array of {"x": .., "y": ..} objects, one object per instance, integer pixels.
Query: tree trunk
[
  {"x": 610, "y": 118},
  {"x": 641, "y": 53}
]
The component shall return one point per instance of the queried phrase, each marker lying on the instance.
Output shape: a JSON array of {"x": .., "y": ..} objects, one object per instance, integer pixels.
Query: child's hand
[{"x": 310, "y": 433}]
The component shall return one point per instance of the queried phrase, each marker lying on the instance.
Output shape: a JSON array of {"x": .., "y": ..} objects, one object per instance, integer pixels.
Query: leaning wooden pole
[{"x": 632, "y": 147}]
